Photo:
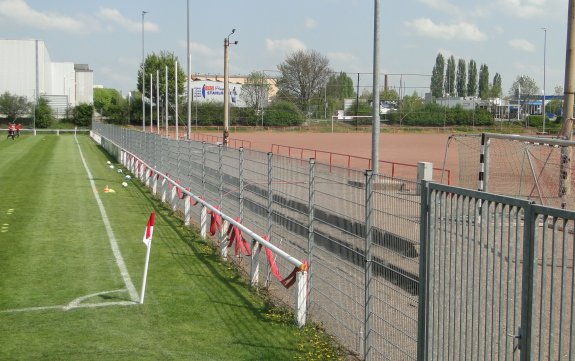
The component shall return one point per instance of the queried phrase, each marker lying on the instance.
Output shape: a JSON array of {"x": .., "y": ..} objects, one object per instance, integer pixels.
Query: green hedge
[{"x": 436, "y": 115}]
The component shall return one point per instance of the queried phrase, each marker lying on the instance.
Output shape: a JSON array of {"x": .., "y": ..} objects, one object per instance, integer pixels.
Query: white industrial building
[{"x": 27, "y": 70}]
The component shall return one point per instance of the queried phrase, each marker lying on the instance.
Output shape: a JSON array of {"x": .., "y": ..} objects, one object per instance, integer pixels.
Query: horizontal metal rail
[{"x": 255, "y": 236}]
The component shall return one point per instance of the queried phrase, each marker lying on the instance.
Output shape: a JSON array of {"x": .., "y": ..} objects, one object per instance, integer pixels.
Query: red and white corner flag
[
  {"x": 149, "y": 231},
  {"x": 148, "y": 242}
]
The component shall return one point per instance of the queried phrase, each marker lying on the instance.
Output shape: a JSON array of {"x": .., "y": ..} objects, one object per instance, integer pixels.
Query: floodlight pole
[
  {"x": 189, "y": 99},
  {"x": 568, "y": 100},
  {"x": 375, "y": 110},
  {"x": 151, "y": 103},
  {"x": 544, "y": 65},
  {"x": 158, "y": 99},
  {"x": 227, "y": 88},
  {"x": 143, "y": 77}
]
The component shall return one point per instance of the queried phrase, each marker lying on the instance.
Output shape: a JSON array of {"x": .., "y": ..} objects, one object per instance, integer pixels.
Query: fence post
[
  {"x": 310, "y": 233},
  {"x": 270, "y": 212},
  {"x": 529, "y": 259},
  {"x": 368, "y": 263},
  {"x": 224, "y": 227},
  {"x": 423, "y": 289},
  {"x": 424, "y": 173},
  {"x": 204, "y": 169},
  {"x": 155, "y": 184},
  {"x": 241, "y": 183},
  {"x": 301, "y": 302},
  {"x": 204, "y": 222}
]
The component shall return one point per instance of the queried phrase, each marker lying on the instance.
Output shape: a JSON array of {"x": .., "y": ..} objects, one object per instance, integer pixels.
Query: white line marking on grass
[
  {"x": 77, "y": 303},
  {"x": 113, "y": 243}
]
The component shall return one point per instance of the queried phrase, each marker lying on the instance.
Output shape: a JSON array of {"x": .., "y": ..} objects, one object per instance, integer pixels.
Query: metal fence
[
  {"x": 497, "y": 278},
  {"x": 358, "y": 231}
]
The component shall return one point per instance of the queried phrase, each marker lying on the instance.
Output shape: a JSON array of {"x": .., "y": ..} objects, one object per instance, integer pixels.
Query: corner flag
[
  {"x": 148, "y": 242},
  {"x": 149, "y": 231}
]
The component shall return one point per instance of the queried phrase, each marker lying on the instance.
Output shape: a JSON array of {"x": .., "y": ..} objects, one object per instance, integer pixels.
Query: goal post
[{"x": 526, "y": 167}]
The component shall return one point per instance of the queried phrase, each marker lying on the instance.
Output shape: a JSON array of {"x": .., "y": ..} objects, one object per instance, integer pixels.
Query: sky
[{"x": 506, "y": 35}]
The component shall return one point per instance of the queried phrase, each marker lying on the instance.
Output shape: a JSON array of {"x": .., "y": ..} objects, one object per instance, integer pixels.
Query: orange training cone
[{"x": 106, "y": 190}]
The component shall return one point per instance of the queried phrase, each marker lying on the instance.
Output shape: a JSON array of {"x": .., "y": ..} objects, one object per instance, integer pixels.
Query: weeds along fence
[{"x": 358, "y": 231}]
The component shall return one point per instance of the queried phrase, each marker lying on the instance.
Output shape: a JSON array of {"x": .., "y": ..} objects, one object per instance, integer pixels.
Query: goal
[{"x": 518, "y": 166}]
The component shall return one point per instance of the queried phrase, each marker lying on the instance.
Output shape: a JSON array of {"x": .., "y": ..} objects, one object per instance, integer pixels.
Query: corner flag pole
[{"x": 148, "y": 242}]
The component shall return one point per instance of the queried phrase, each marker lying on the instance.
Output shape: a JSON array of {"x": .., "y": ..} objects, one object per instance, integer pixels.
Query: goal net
[{"x": 518, "y": 166}]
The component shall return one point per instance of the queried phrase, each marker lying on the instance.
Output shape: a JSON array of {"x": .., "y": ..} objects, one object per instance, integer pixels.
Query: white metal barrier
[{"x": 142, "y": 171}]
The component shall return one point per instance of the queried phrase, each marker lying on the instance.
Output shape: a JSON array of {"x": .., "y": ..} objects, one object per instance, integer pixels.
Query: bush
[
  {"x": 283, "y": 113},
  {"x": 43, "y": 112},
  {"x": 82, "y": 114}
]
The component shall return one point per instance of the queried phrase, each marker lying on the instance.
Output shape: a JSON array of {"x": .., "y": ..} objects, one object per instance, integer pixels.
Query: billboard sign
[{"x": 213, "y": 91}]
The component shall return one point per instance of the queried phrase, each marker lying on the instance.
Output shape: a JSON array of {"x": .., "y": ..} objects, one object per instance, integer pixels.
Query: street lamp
[
  {"x": 544, "y": 61},
  {"x": 226, "y": 88},
  {"x": 143, "y": 77}
]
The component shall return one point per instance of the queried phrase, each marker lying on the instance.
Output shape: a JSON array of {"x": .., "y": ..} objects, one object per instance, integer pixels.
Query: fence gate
[{"x": 496, "y": 278}]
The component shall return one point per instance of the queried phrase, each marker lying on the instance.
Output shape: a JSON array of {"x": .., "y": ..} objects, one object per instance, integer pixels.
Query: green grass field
[{"x": 63, "y": 297}]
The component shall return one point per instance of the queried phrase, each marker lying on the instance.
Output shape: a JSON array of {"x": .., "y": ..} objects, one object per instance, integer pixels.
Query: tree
[
  {"x": 483, "y": 86},
  {"x": 304, "y": 75},
  {"x": 43, "y": 114},
  {"x": 558, "y": 90},
  {"x": 255, "y": 90},
  {"x": 111, "y": 104},
  {"x": 14, "y": 106},
  {"x": 496, "y": 89},
  {"x": 460, "y": 85},
  {"x": 449, "y": 86},
  {"x": 436, "y": 85},
  {"x": 157, "y": 63},
  {"x": 472, "y": 79},
  {"x": 389, "y": 95},
  {"x": 524, "y": 87},
  {"x": 340, "y": 87}
]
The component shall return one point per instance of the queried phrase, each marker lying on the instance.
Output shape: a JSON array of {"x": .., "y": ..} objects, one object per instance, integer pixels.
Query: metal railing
[
  {"x": 362, "y": 273},
  {"x": 497, "y": 278},
  {"x": 389, "y": 168}
]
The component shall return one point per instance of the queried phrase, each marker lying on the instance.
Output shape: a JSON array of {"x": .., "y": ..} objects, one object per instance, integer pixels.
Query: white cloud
[
  {"x": 21, "y": 12},
  {"x": 460, "y": 31},
  {"x": 287, "y": 45},
  {"x": 442, "y": 5},
  {"x": 201, "y": 49},
  {"x": 116, "y": 17},
  {"x": 311, "y": 23},
  {"x": 341, "y": 57},
  {"x": 524, "y": 8},
  {"x": 522, "y": 44}
]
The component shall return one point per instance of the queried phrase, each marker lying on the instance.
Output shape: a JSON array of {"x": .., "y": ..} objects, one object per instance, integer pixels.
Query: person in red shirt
[
  {"x": 18, "y": 128},
  {"x": 11, "y": 130}
]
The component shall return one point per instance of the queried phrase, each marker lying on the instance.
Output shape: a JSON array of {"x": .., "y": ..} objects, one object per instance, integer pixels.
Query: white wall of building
[
  {"x": 64, "y": 81},
  {"x": 18, "y": 67},
  {"x": 26, "y": 66},
  {"x": 84, "y": 87}
]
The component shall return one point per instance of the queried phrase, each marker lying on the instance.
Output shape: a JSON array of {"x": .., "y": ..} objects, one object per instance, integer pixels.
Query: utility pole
[
  {"x": 227, "y": 88},
  {"x": 568, "y": 97}
]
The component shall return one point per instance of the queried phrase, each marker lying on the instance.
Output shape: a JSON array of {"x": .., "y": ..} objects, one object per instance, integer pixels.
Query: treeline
[{"x": 18, "y": 109}]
